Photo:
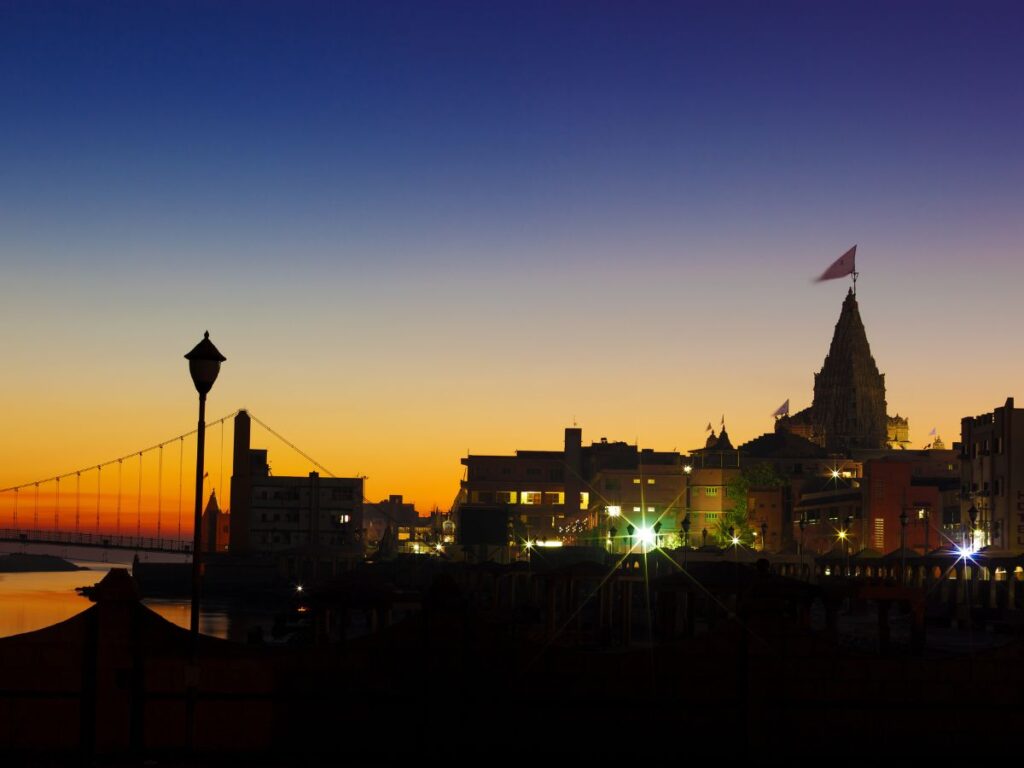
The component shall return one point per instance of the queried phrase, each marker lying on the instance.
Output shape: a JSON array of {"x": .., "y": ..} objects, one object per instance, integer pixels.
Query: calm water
[{"x": 30, "y": 601}]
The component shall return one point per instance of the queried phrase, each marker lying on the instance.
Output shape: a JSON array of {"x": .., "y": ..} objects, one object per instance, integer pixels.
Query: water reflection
[{"x": 31, "y": 601}]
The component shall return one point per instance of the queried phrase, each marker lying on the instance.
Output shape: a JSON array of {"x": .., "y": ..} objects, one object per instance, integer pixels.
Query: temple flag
[
  {"x": 932, "y": 433},
  {"x": 782, "y": 410},
  {"x": 841, "y": 267},
  {"x": 709, "y": 428}
]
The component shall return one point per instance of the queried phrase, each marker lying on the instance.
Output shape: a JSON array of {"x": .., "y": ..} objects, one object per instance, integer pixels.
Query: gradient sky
[{"x": 417, "y": 229}]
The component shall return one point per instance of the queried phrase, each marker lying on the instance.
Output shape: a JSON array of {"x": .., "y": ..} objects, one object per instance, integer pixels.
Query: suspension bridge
[{"x": 134, "y": 501}]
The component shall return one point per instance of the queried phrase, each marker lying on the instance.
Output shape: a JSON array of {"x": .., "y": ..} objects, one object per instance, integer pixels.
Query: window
[
  {"x": 343, "y": 519},
  {"x": 711, "y": 490},
  {"x": 636, "y": 509},
  {"x": 650, "y": 481},
  {"x": 710, "y": 515},
  {"x": 636, "y": 481},
  {"x": 530, "y": 497},
  {"x": 505, "y": 497}
]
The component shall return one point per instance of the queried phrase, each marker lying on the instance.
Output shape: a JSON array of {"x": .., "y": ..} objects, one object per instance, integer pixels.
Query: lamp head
[{"x": 204, "y": 364}]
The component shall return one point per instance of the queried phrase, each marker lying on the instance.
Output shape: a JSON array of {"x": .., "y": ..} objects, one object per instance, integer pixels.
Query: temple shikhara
[{"x": 849, "y": 409}]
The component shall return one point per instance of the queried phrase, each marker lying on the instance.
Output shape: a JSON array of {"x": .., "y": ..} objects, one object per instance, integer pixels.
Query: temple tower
[{"x": 849, "y": 393}]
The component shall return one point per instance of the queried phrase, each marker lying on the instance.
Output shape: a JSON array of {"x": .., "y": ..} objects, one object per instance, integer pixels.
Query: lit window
[
  {"x": 530, "y": 497},
  {"x": 636, "y": 481},
  {"x": 711, "y": 491},
  {"x": 343, "y": 519},
  {"x": 650, "y": 509},
  {"x": 650, "y": 481},
  {"x": 636, "y": 509}
]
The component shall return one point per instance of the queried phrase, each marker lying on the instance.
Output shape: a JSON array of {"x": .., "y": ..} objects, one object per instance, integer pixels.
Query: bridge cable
[
  {"x": 56, "y": 509},
  {"x": 138, "y": 503},
  {"x": 121, "y": 458},
  {"x": 294, "y": 447},
  {"x": 221, "y": 480},
  {"x": 78, "y": 500},
  {"x": 181, "y": 467},
  {"x": 159, "y": 493},
  {"x": 35, "y": 510},
  {"x": 120, "y": 467},
  {"x": 15, "y": 508},
  {"x": 99, "y": 485}
]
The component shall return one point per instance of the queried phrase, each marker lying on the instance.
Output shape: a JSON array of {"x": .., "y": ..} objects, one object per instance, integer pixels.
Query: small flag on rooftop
[
  {"x": 932, "y": 433},
  {"x": 841, "y": 267},
  {"x": 782, "y": 410},
  {"x": 709, "y": 428}
]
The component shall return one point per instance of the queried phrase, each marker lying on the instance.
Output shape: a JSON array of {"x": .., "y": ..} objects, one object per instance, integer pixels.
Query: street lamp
[
  {"x": 972, "y": 514},
  {"x": 764, "y": 536},
  {"x": 203, "y": 364}
]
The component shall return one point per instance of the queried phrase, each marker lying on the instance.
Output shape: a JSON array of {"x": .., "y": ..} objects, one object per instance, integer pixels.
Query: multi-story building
[
  {"x": 408, "y": 529},
  {"x": 992, "y": 477},
  {"x": 575, "y": 494},
  {"x": 272, "y": 514}
]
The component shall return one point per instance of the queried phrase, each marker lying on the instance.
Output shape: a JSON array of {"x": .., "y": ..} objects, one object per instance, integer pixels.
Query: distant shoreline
[{"x": 19, "y": 562}]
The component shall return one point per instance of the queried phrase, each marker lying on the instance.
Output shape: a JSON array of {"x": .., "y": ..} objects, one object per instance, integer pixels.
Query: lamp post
[
  {"x": 704, "y": 538},
  {"x": 203, "y": 364},
  {"x": 903, "y": 546},
  {"x": 764, "y": 536}
]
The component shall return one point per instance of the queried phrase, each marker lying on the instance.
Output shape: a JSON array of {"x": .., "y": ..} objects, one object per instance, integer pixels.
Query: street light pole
[{"x": 203, "y": 364}]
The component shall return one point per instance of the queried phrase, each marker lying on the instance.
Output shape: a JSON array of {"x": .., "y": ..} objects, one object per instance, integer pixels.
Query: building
[
  {"x": 216, "y": 527},
  {"x": 849, "y": 408},
  {"x": 575, "y": 495},
  {"x": 992, "y": 477},
  {"x": 310, "y": 523},
  {"x": 918, "y": 488},
  {"x": 407, "y": 528}
]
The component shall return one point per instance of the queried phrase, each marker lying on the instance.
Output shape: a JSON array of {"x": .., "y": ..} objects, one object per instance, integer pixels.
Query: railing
[{"x": 102, "y": 540}]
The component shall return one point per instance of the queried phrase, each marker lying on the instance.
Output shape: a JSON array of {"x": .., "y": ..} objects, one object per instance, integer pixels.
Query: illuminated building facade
[
  {"x": 575, "y": 494},
  {"x": 992, "y": 476}
]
